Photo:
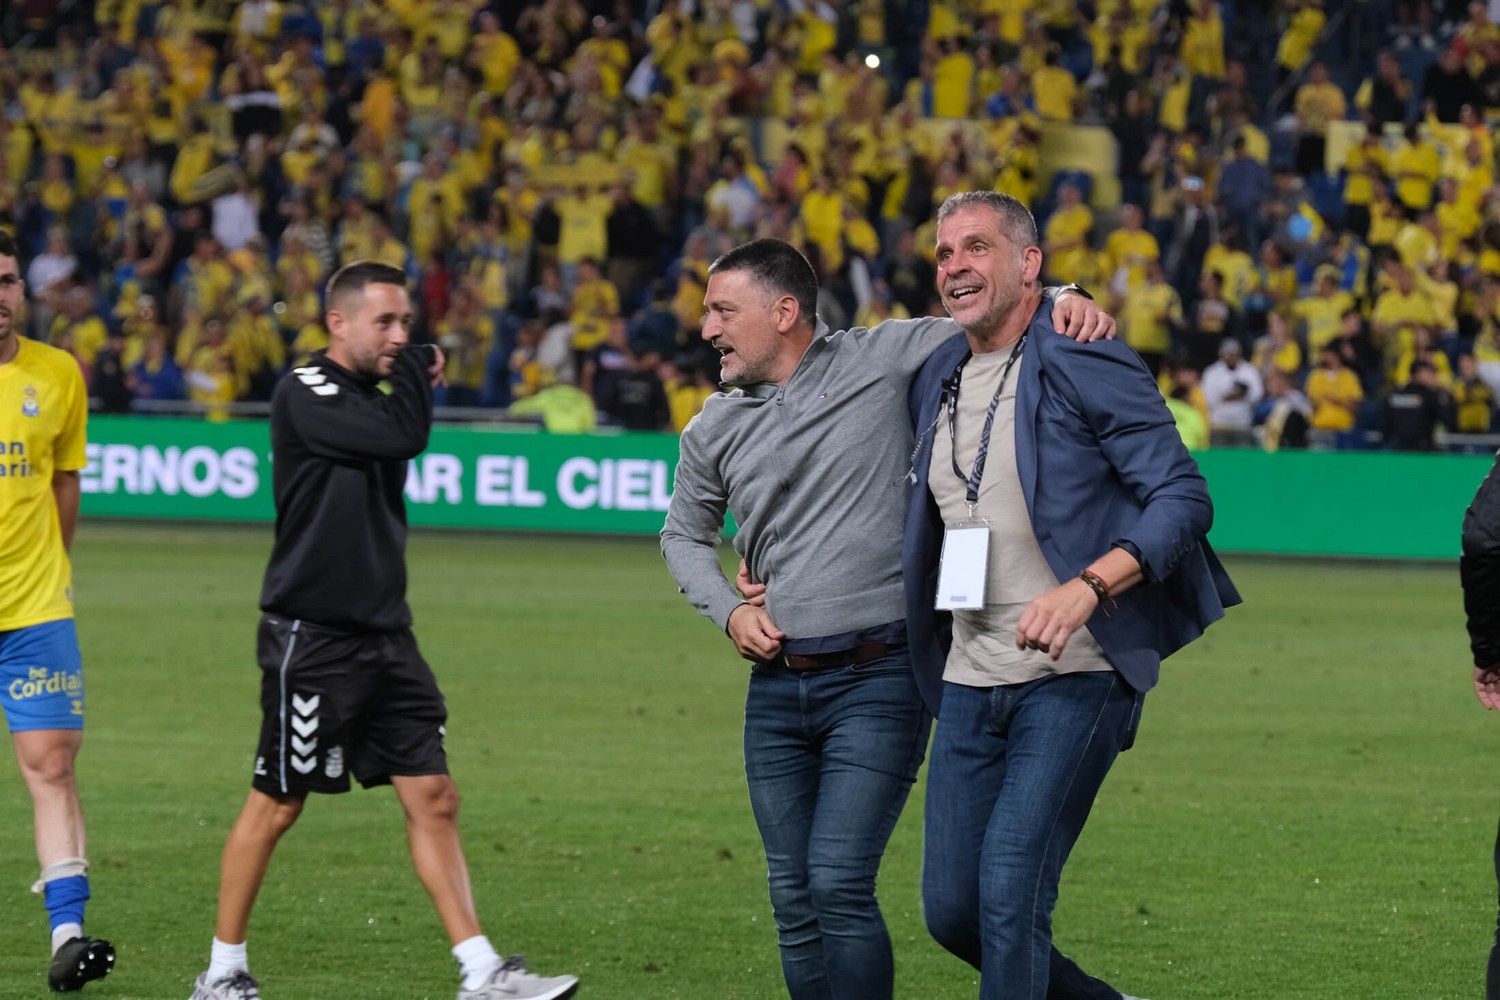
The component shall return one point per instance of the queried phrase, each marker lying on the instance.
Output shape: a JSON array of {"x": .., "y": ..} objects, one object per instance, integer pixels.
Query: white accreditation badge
[
  {"x": 963, "y": 570},
  {"x": 964, "y": 567}
]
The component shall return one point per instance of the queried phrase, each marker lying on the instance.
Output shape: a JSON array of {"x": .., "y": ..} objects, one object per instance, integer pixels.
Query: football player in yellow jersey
[{"x": 43, "y": 415}]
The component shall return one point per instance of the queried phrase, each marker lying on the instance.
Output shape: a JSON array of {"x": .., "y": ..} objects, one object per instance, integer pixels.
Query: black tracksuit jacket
[
  {"x": 339, "y": 447},
  {"x": 1480, "y": 570}
]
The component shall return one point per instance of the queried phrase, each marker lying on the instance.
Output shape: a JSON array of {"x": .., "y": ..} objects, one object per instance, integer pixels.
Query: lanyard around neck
[{"x": 976, "y": 475}]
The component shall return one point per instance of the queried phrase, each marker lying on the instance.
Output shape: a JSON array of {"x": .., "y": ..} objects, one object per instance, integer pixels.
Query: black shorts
[{"x": 336, "y": 703}]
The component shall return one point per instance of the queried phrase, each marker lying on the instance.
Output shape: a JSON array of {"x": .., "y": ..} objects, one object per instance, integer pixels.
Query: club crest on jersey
[{"x": 30, "y": 407}]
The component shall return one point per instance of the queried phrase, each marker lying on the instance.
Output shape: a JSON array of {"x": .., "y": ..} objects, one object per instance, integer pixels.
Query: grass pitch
[{"x": 1308, "y": 812}]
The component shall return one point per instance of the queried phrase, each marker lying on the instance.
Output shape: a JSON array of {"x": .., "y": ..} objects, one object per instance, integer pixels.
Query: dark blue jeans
[
  {"x": 1014, "y": 773},
  {"x": 830, "y": 757}
]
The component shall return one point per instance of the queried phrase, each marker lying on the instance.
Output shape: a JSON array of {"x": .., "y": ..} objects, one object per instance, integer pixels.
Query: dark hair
[
  {"x": 777, "y": 266},
  {"x": 8, "y": 246},
  {"x": 353, "y": 278}
]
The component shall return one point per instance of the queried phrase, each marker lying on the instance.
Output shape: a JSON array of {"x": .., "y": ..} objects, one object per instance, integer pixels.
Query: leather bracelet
[{"x": 1096, "y": 584}]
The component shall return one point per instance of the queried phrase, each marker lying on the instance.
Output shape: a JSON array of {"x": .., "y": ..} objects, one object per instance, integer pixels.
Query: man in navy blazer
[{"x": 1083, "y": 565}]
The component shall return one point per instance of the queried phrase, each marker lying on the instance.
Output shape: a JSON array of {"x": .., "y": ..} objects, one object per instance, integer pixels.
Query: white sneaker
[
  {"x": 513, "y": 981},
  {"x": 238, "y": 985}
]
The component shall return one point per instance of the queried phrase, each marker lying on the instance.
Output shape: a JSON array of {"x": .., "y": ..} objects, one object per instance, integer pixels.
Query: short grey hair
[{"x": 1015, "y": 220}]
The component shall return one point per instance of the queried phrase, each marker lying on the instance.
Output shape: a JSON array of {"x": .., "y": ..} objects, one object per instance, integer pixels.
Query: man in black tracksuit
[
  {"x": 344, "y": 689},
  {"x": 1480, "y": 570}
]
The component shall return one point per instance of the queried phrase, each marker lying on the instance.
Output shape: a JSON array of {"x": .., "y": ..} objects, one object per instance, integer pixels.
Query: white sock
[
  {"x": 477, "y": 959},
  {"x": 226, "y": 958},
  {"x": 64, "y": 933}
]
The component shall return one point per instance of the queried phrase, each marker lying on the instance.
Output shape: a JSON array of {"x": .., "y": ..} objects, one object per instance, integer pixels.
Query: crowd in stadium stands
[{"x": 1301, "y": 233}]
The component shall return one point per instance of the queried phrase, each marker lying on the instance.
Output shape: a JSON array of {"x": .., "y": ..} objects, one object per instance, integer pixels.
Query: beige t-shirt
[{"x": 984, "y": 652}]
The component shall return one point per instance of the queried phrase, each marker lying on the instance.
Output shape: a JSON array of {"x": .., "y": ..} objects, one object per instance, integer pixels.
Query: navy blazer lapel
[{"x": 1028, "y": 398}]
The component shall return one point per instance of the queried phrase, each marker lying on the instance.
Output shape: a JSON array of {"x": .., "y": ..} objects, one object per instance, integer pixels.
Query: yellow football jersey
[{"x": 43, "y": 423}]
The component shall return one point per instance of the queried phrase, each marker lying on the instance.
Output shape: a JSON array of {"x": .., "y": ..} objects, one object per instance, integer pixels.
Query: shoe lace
[
  {"x": 242, "y": 986},
  {"x": 514, "y": 963}
]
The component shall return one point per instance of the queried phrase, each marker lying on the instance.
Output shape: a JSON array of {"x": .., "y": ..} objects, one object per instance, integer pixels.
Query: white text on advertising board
[
  {"x": 630, "y": 484},
  {"x": 145, "y": 470},
  {"x": 433, "y": 479}
]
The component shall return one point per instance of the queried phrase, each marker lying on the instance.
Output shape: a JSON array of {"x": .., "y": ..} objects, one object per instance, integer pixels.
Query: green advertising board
[
  {"x": 469, "y": 477},
  {"x": 1366, "y": 504},
  {"x": 1345, "y": 503}
]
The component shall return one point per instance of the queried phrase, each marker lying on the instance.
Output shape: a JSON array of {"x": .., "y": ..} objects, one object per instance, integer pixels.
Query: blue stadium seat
[
  {"x": 1078, "y": 178},
  {"x": 1283, "y": 148},
  {"x": 1415, "y": 61},
  {"x": 1327, "y": 194}
]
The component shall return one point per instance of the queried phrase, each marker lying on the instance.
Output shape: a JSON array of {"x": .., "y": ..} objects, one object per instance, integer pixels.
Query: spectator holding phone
[{"x": 1233, "y": 387}]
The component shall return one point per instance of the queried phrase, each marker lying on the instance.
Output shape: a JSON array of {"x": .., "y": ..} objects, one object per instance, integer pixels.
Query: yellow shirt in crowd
[
  {"x": 1131, "y": 250},
  {"x": 595, "y": 303},
  {"x": 1145, "y": 315},
  {"x": 1203, "y": 45},
  {"x": 952, "y": 81},
  {"x": 1323, "y": 317},
  {"x": 1325, "y": 389},
  {"x": 1296, "y": 45},
  {"x": 1358, "y": 162},
  {"x": 1054, "y": 89},
  {"x": 1416, "y": 168},
  {"x": 1237, "y": 270},
  {"x": 584, "y": 234},
  {"x": 1402, "y": 312}
]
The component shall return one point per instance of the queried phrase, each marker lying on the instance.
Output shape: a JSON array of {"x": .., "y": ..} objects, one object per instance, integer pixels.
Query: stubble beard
[
  {"x": 988, "y": 324},
  {"x": 750, "y": 372},
  {"x": 741, "y": 378}
]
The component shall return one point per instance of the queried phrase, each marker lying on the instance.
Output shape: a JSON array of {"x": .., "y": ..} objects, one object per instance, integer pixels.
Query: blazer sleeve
[{"x": 1109, "y": 385}]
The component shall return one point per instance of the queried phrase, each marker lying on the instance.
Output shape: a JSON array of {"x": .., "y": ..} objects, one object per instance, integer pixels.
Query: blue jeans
[
  {"x": 830, "y": 757},
  {"x": 1014, "y": 773}
]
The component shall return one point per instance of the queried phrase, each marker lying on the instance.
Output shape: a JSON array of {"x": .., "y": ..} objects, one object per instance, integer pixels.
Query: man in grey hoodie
[{"x": 810, "y": 450}]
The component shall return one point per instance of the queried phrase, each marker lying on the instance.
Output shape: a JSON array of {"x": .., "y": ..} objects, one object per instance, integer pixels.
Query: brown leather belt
[{"x": 863, "y": 653}]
